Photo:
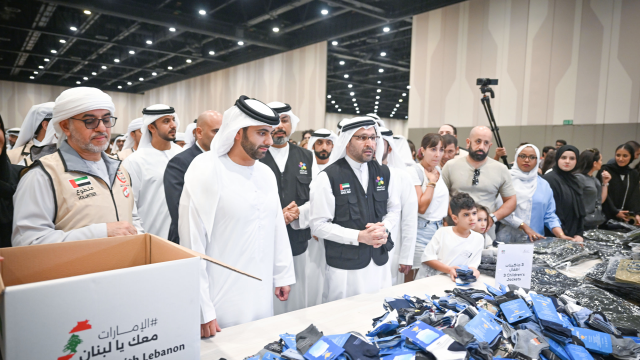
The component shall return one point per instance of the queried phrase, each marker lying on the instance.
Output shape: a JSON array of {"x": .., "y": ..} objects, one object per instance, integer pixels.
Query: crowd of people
[{"x": 345, "y": 213}]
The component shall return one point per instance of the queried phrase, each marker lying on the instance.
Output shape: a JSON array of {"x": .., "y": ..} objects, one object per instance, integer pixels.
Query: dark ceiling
[{"x": 135, "y": 46}]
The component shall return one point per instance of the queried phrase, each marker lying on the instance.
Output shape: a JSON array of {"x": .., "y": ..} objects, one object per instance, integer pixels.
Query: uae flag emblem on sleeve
[{"x": 80, "y": 182}]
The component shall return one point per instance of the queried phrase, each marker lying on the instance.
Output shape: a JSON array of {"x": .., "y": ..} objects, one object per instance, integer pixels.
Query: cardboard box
[{"x": 132, "y": 297}]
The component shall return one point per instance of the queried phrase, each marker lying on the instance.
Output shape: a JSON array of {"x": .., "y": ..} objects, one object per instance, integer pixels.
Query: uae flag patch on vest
[{"x": 80, "y": 182}]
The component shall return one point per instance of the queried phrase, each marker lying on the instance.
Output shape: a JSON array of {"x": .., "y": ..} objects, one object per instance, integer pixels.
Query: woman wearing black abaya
[
  {"x": 567, "y": 192},
  {"x": 624, "y": 195},
  {"x": 9, "y": 177}
]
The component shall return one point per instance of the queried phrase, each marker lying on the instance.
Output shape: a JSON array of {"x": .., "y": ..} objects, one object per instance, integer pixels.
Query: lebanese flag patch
[{"x": 126, "y": 192}]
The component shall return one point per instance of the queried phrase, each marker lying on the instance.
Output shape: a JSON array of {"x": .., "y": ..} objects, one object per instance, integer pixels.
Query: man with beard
[
  {"x": 230, "y": 210},
  {"x": 483, "y": 178},
  {"x": 354, "y": 208},
  {"x": 293, "y": 168},
  {"x": 78, "y": 192},
  {"x": 147, "y": 166},
  {"x": 321, "y": 143},
  {"x": 33, "y": 131}
]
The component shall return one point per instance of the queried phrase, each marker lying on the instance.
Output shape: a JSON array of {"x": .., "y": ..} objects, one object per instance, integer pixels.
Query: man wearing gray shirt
[{"x": 481, "y": 177}]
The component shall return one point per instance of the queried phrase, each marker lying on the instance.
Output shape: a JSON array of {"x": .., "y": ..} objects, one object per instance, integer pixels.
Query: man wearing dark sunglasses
[
  {"x": 481, "y": 177},
  {"x": 88, "y": 193}
]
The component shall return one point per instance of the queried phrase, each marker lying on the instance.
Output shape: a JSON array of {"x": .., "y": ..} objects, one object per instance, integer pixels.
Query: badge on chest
[
  {"x": 380, "y": 186},
  {"x": 345, "y": 188},
  {"x": 303, "y": 168}
]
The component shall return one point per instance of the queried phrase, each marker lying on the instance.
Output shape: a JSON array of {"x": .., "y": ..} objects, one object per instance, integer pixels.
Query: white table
[{"x": 337, "y": 317}]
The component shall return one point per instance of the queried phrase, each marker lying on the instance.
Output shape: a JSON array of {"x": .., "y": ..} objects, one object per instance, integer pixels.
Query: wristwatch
[{"x": 494, "y": 218}]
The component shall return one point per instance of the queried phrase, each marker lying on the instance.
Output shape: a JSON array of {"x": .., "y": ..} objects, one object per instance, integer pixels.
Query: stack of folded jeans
[{"x": 465, "y": 274}]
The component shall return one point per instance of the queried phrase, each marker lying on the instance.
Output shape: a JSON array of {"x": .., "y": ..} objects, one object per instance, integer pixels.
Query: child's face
[
  {"x": 481, "y": 225},
  {"x": 466, "y": 219}
]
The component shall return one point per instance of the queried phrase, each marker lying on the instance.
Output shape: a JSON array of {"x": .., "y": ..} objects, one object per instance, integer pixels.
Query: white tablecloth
[{"x": 338, "y": 317}]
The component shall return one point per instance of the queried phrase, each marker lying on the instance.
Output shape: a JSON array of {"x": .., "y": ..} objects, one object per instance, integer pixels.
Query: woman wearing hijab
[
  {"x": 567, "y": 192},
  {"x": 9, "y": 177},
  {"x": 536, "y": 206},
  {"x": 623, "y": 201},
  {"x": 594, "y": 192}
]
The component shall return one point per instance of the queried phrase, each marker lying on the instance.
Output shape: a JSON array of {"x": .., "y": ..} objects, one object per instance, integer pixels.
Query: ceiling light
[
  {"x": 334, "y": 43},
  {"x": 324, "y": 12},
  {"x": 386, "y": 29},
  {"x": 391, "y": 115},
  {"x": 78, "y": 82},
  {"x": 333, "y": 101},
  {"x": 354, "y": 100},
  {"x": 377, "y": 102},
  {"x": 54, "y": 52},
  {"x": 31, "y": 77},
  {"x": 375, "y": 111},
  {"x": 45, "y": 59},
  {"x": 380, "y": 70},
  {"x": 346, "y": 76},
  {"x": 189, "y": 61},
  {"x": 104, "y": 67},
  {"x": 141, "y": 79},
  {"x": 404, "y": 94},
  {"x": 379, "y": 82},
  {"x": 170, "y": 67},
  {"x": 341, "y": 62},
  {"x": 94, "y": 73},
  {"x": 328, "y": 96},
  {"x": 399, "y": 100},
  {"x": 73, "y": 28},
  {"x": 397, "y": 105},
  {"x": 357, "y": 108},
  {"x": 40, "y": 67},
  {"x": 276, "y": 29},
  {"x": 406, "y": 117},
  {"x": 202, "y": 12},
  {"x": 352, "y": 93},
  {"x": 128, "y": 82},
  {"x": 375, "y": 107},
  {"x": 154, "y": 73},
  {"x": 339, "y": 110},
  {"x": 357, "y": 112},
  {"x": 377, "y": 97},
  {"x": 383, "y": 54},
  {"x": 336, "y": 106},
  {"x": 379, "y": 90},
  {"x": 116, "y": 60},
  {"x": 119, "y": 86},
  {"x": 172, "y": 29},
  {"x": 349, "y": 86},
  {"x": 241, "y": 43},
  {"x": 131, "y": 52},
  {"x": 212, "y": 52},
  {"x": 63, "y": 41},
  {"x": 85, "y": 78},
  {"x": 408, "y": 86},
  {"x": 149, "y": 42},
  {"x": 87, "y": 12},
  {"x": 356, "y": 104}
]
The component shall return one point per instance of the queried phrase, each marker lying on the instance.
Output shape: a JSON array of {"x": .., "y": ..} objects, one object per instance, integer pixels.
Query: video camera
[{"x": 485, "y": 87}]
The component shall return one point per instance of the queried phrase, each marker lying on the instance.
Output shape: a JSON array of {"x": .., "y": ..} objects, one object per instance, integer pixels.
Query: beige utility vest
[
  {"x": 19, "y": 154},
  {"x": 82, "y": 199}
]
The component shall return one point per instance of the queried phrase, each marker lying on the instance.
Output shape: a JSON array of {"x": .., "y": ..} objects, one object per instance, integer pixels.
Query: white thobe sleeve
[
  {"x": 137, "y": 222},
  {"x": 302, "y": 222},
  {"x": 392, "y": 218},
  {"x": 322, "y": 211},
  {"x": 193, "y": 235},
  {"x": 409, "y": 220},
  {"x": 136, "y": 180},
  {"x": 34, "y": 211},
  {"x": 283, "y": 270}
]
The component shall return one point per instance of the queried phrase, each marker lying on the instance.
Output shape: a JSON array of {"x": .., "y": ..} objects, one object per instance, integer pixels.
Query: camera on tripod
[
  {"x": 485, "y": 84},
  {"x": 485, "y": 87}
]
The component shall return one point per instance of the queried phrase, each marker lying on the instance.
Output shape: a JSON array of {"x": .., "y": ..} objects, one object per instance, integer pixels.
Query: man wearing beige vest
[
  {"x": 34, "y": 128},
  {"x": 78, "y": 192}
]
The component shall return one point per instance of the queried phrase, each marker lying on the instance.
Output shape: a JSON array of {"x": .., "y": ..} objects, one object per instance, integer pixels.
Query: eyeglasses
[
  {"x": 530, "y": 157},
  {"x": 475, "y": 180},
  {"x": 363, "y": 138},
  {"x": 92, "y": 123}
]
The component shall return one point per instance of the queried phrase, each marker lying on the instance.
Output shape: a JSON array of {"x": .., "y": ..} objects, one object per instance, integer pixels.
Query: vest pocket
[
  {"x": 342, "y": 208},
  {"x": 302, "y": 187},
  {"x": 353, "y": 207},
  {"x": 380, "y": 199}
]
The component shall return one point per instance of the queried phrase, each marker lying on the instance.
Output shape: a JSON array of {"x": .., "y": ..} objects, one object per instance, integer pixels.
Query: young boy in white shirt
[{"x": 454, "y": 246}]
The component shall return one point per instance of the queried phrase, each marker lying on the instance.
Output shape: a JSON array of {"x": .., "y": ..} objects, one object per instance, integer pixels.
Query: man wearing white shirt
[
  {"x": 32, "y": 134},
  {"x": 354, "y": 207}
]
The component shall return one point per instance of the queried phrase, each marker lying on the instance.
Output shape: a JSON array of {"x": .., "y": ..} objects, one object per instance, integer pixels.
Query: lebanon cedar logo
[{"x": 75, "y": 340}]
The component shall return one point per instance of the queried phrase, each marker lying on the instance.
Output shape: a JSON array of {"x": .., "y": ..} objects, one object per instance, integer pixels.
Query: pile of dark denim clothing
[{"x": 584, "y": 323}]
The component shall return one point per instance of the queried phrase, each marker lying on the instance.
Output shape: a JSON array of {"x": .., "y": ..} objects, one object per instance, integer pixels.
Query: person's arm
[
  {"x": 508, "y": 195},
  {"x": 604, "y": 179},
  {"x": 508, "y": 206},
  {"x": 302, "y": 222},
  {"x": 440, "y": 266},
  {"x": 500, "y": 152},
  {"x": 322, "y": 212},
  {"x": 283, "y": 271},
  {"x": 34, "y": 211},
  {"x": 193, "y": 235},
  {"x": 409, "y": 223},
  {"x": 391, "y": 220}
]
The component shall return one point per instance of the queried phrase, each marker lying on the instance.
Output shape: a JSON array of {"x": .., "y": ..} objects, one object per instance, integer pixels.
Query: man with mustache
[
  {"x": 78, "y": 192},
  {"x": 230, "y": 210},
  {"x": 293, "y": 168},
  {"x": 147, "y": 166},
  {"x": 354, "y": 208},
  {"x": 321, "y": 143},
  {"x": 481, "y": 177}
]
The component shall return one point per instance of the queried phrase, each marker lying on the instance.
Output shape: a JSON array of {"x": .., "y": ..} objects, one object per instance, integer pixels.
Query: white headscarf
[
  {"x": 276, "y": 105},
  {"x": 34, "y": 118},
  {"x": 340, "y": 146},
  {"x": 74, "y": 101},
  {"x": 331, "y": 136},
  {"x": 129, "y": 141},
  {"x": 203, "y": 178},
  {"x": 114, "y": 147},
  {"x": 145, "y": 140},
  {"x": 402, "y": 147},
  {"x": 525, "y": 184},
  {"x": 394, "y": 158},
  {"x": 377, "y": 119},
  {"x": 12, "y": 131},
  {"x": 180, "y": 136},
  {"x": 189, "y": 137}
]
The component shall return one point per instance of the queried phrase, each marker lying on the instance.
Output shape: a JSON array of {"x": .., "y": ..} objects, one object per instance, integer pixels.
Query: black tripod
[{"x": 486, "y": 103}]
